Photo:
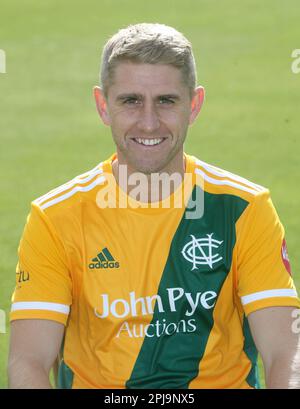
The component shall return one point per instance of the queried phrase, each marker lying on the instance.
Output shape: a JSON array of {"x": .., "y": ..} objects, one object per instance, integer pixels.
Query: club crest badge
[
  {"x": 202, "y": 251},
  {"x": 285, "y": 257}
]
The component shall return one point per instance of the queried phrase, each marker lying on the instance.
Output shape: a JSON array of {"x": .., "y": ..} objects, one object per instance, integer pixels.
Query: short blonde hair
[{"x": 148, "y": 44}]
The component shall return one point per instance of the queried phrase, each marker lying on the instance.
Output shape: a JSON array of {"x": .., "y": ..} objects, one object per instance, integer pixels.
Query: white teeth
[{"x": 149, "y": 142}]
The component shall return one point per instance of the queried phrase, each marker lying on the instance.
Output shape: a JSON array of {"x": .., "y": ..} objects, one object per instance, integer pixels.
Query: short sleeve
[
  {"x": 43, "y": 283},
  {"x": 263, "y": 271}
]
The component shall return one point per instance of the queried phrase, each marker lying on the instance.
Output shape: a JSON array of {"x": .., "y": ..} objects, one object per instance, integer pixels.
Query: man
[{"x": 151, "y": 294}]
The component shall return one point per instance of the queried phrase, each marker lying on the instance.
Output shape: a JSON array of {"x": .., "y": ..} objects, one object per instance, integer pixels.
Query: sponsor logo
[
  {"x": 104, "y": 260},
  {"x": 136, "y": 307},
  {"x": 285, "y": 257},
  {"x": 202, "y": 251},
  {"x": 22, "y": 276}
]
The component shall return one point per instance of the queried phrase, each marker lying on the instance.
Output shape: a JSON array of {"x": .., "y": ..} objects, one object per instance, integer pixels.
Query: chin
[{"x": 148, "y": 168}]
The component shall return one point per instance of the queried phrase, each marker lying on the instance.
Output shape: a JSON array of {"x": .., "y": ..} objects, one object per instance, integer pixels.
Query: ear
[
  {"x": 196, "y": 103},
  {"x": 101, "y": 104}
]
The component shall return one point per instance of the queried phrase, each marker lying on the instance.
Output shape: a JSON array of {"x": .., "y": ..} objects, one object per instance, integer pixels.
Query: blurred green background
[{"x": 50, "y": 132}]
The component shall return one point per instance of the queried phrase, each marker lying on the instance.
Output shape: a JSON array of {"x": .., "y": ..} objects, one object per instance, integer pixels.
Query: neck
[{"x": 148, "y": 188}]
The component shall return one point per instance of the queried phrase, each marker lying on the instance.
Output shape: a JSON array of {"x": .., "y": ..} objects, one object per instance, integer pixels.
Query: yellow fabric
[{"x": 66, "y": 230}]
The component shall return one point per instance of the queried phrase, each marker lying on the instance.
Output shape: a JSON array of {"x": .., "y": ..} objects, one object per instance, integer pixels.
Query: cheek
[
  {"x": 122, "y": 121},
  {"x": 175, "y": 120}
]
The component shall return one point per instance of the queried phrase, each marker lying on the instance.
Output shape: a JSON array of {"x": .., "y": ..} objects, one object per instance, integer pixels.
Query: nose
[{"x": 148, "y": 120}]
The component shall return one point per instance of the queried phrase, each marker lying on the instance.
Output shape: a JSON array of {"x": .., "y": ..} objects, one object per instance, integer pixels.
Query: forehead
[{"x": 139, "y": 78}]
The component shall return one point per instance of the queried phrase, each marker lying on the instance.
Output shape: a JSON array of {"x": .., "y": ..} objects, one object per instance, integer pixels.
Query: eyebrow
[{"x": 123, "y": 97}]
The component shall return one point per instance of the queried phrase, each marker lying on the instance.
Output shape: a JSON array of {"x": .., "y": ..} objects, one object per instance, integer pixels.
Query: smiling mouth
[{"x": 149, "y": 142}]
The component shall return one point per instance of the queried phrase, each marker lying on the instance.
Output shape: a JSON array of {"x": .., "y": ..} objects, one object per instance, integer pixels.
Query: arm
[
  {"x": 34, "y": 346},
  {"x": 55, "y": 369},
  {"x": 278, "y": 345}
]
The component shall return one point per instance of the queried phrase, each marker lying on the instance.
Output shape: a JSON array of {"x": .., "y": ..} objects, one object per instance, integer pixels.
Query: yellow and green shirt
[{"x": 151, "y": 296}]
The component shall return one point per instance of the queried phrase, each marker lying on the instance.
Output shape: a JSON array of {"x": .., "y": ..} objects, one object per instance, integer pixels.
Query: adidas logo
[{"x": 104, "y": 260}]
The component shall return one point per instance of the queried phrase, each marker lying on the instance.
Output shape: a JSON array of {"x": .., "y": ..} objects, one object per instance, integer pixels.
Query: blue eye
[
  {"x": 166, "y": 101},
  {"x": 131, "y": 101}
]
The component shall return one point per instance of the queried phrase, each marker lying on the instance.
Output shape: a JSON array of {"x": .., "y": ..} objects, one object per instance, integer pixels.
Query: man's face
[{"x": 149, "y": 110}]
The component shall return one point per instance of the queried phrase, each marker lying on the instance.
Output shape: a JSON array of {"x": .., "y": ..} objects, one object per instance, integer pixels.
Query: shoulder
[
  {"x": 219, "y": 181},
  {"x": 77, "y": 190}
]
